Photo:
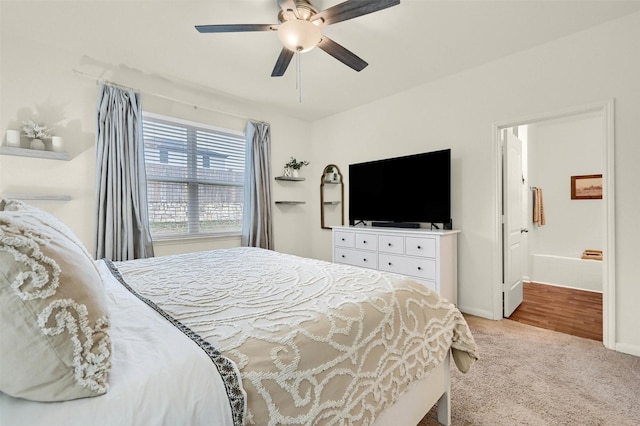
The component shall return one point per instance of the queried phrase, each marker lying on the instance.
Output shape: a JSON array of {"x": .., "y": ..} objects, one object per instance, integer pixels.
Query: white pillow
[{"x": 54, "y": 340}]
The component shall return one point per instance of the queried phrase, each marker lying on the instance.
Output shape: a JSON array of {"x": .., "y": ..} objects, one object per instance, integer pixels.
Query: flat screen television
[{"x": 402, "y": 191}]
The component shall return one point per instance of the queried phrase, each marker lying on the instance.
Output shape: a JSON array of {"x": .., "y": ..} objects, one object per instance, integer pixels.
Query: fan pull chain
[{"x": 298, "y": 77}]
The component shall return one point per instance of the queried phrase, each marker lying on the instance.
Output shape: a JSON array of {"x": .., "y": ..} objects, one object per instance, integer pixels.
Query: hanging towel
[{"x": 538, "y": 207}]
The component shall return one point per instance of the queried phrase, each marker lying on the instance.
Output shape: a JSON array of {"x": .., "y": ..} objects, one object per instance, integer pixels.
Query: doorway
[{"x": 558, "y": 187}]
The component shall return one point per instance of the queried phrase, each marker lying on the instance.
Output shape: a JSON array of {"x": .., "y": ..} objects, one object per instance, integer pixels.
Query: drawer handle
[
  {"x": 343, "y": 256},
  {"x": 365, "y": 241},
  {"x": 419, "y": 248},
  {"x": 389, "y": 244},
  {"x": 342, "y": 239},
  {"x": 419, "y": 268},
  {"x": 389, "y": 263},
  {"x": 364, "y": 260}
]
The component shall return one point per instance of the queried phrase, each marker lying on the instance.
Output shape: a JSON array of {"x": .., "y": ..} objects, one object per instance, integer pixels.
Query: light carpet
[{"x": 531, "y": 376}]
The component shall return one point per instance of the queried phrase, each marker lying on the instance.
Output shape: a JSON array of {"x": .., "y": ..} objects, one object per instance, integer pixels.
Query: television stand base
[{"x": 396, "y": 224}]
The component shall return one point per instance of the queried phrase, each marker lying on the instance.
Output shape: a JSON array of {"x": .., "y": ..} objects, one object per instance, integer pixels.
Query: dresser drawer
[
  {"x": 360, "y": 258},
  {"x": 366, "y": 241},
  {"x": 413, "y": 266},
  {"x": 423, "y": 247},
  {"x": 391, "y": 244},
  {"x": 344, "y": 239}
]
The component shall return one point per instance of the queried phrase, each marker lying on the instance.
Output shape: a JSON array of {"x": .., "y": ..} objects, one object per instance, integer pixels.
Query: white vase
[
  {"x": 57, "y": 144},
  {"x": 37, "y": 144},
  {"x": 296, "y": 173},
  {"x": 13, "y": 138}
]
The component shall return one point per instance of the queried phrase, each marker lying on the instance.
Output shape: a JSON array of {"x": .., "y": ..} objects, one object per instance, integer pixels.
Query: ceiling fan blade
[
  {"x": 235, "y": 28},
  {"x": 343, "y": 55},
  {"x": 351, "y": 9},
  {"x": 282, "y": 63}
]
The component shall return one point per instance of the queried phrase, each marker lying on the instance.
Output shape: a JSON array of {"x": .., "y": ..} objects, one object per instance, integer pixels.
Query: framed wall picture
[{"x": 586, "y": 187}]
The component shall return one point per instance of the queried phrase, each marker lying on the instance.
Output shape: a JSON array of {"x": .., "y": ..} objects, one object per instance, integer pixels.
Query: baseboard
[
  {"x": 628, "y": 349},
  {"x": 566, "y": 286},
  {"x": 476, "y": 312}
]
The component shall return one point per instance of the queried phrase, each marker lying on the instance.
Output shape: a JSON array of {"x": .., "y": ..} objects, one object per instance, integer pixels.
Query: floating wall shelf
[
  {"x": 22, "y": 152},
  {"x": 294, "y": 179},
  {"x": 37, "y": 197},
  {"x": 291, "y": 179}
]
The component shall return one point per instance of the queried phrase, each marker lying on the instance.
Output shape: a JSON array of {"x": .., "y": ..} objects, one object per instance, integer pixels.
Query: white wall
[
  {"x": 43, "y": 86},
  {"x": 459, "y": 111}
]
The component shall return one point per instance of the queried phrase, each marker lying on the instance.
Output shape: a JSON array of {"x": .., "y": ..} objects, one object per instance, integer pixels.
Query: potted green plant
[{"x": 294, "y": 167}]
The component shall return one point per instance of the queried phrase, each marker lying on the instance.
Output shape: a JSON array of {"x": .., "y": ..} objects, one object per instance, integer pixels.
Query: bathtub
[{"x": 567, "y": 272}]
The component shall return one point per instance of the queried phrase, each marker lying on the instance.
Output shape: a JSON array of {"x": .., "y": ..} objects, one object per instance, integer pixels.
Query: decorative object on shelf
[
  {"x": 36, "y": 132},
  {"x": 13, "y": 138},
  {"x": 37, "y": 144},
  {"x": 57, "y": 144},
  {"x": 331, "y": 175},
  {"x": 292, "y": 168},
  {"x": 328, "y": 175},
  {"x": 331, "y": 197}
]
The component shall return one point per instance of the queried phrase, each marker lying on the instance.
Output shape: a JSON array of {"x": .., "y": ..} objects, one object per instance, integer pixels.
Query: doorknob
[{"x": 523, "y": 230}]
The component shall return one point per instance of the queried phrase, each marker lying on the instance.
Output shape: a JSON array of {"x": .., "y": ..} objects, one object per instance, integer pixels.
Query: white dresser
[{"x": 429, "y": 257}]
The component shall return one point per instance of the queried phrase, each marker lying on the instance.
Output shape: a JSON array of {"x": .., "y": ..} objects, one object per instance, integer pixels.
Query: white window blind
[{"x": 195, "y": 177}]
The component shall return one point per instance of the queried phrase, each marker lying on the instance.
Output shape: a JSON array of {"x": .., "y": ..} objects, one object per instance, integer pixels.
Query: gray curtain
[
  {"x": 257, "y": 227},
  {"x": 122, "y": 231}
]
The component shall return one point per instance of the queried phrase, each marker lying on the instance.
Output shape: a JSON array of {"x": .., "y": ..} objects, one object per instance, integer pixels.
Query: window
[{"x": 195, "y": 177}]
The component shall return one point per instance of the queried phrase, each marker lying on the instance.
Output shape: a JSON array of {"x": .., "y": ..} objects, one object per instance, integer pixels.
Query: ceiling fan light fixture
[{"x": 299, "y": 35}]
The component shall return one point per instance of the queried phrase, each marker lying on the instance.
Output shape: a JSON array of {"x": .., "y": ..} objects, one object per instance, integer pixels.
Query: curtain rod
[{"x": 158, "y": 95}]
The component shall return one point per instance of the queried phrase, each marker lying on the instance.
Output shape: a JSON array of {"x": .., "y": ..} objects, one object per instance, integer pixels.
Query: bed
[{"x": 251, "y": 336}]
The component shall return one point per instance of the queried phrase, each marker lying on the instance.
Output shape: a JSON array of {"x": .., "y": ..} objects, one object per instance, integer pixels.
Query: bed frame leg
[
  {"x": 444, "y": 403},
  {"x": 444, "y": 409}
]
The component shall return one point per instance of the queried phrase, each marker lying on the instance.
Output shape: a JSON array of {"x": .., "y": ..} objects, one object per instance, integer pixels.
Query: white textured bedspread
[{"x": 316, "y": 343}]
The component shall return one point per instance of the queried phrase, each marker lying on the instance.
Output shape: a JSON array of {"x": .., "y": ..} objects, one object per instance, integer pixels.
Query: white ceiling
[{"x": 407, "y": 45}]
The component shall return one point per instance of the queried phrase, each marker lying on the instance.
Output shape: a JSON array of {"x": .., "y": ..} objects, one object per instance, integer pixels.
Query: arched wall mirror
[{"x": 331, "y": 197}]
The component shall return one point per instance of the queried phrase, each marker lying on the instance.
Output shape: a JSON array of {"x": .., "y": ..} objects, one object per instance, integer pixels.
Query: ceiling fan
[{"x": 299, "y": 29}]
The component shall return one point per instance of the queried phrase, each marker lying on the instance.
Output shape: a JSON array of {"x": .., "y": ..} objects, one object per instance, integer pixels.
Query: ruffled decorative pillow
[{"x": 54, "y": 340}]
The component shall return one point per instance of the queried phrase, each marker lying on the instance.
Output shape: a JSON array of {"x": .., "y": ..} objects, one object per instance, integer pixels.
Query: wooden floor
[{"x": 561, "y": 309}]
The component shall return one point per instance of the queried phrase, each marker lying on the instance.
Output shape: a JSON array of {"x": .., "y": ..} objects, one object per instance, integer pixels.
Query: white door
[{"x": 512, "y": 227}]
